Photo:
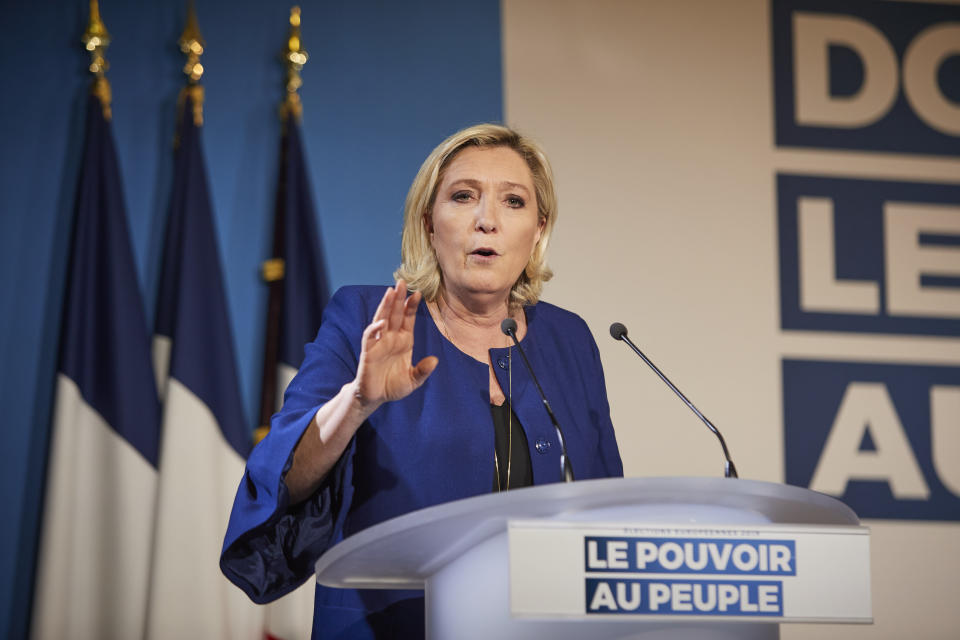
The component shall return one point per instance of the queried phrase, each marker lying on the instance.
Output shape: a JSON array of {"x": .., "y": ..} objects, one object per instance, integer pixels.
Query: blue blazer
[{"x": 434, "y": 446}]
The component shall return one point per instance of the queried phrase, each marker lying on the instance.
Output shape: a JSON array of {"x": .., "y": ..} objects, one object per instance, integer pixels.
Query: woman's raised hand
[{"x": 385, "y": 372}]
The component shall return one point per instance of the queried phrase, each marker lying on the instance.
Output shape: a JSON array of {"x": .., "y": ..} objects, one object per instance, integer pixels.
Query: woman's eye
[
  {"x": 515, "y": 202},
  {"x": 462, "y": 196}
]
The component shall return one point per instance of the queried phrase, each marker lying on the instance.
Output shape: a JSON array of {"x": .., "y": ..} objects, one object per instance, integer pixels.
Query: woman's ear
[
  {"x": 541, "y": 225},
  {"x": 428, "y": 225}
]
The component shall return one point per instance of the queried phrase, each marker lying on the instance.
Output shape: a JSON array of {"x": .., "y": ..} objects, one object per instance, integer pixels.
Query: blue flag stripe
[
  {"x": 305, "y": 283},
  {"x": 105, "y": 344},
  {"x": 192, "y": 305}
]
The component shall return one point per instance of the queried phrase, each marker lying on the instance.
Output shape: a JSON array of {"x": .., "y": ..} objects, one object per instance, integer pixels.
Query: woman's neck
[
  {"x": 473, "y": 314},
  {"x": 474, "y": 325}
]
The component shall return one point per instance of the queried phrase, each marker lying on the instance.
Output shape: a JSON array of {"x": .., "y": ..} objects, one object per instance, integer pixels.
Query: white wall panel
[{"x": 659, "y": 120}]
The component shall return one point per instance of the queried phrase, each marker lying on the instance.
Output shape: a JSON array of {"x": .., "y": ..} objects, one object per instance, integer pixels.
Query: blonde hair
[{"x": 419, "y": 265}]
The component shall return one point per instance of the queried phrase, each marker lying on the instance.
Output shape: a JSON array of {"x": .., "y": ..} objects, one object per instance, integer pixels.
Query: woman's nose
[{"x": 487, "y": 216}]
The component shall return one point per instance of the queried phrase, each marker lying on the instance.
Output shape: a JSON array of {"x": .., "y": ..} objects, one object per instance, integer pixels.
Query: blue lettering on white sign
[
  {"x": 727, "y": 556},
  {"x": 858, "y": 75},
  {"x": 748, "y": 598},
  {"x": 884, "y": 438},
  {"x": 869, "y": 256}
]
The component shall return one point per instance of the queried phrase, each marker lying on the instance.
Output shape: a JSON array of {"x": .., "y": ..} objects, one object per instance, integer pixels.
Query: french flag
[
  {"x": 298, "y": 293},
  {"x": 96, "y": 538},
  {"x": 205, "y": 438}
]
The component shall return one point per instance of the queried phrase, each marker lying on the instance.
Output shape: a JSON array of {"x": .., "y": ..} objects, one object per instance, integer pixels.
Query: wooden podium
[{"x": 620, "y": 558}]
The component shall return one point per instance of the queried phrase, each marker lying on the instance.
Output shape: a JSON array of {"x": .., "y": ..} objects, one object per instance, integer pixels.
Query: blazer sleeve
[{"x": 271, "y": 546}]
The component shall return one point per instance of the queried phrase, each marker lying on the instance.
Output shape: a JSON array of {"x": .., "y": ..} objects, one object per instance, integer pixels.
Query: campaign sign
[
  {"x": 691, "y": 555},
  {"x": 869, "y": 255},
  {"x": 768, "y": 573},
  {"x": 684, "y": 597},
  {"x": 883, "y": 438},
  {"x": 875, "y": 76}
]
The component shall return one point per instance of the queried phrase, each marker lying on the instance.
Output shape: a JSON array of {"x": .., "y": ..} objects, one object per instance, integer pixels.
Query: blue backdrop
[{"x": 385, "y": 83}]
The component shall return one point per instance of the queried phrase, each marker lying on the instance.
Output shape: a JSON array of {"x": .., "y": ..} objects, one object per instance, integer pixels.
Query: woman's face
[{"x": 484, "y": 223}]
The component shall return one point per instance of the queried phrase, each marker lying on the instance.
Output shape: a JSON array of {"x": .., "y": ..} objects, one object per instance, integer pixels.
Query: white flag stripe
[
  {"x": 194, "y": 503},
  {"x": 291, "y": 617},
  {"x": 285, "y": 375},
  {"x": 94, "y": 560},
  {"x": 160, "y": 352}
]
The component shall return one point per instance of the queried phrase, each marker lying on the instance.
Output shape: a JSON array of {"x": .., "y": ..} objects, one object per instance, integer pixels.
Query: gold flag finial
[
  {"x": 260, "y": 433},
  {"x": 191, "y": 44},
  {"x": 96, "y": 39},
  {"x": 294, "y": 58}
]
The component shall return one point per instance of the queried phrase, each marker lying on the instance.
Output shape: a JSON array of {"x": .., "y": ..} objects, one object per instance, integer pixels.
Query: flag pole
[
  {"x": 297, "y": 293},
  {"x": 96, "y": 39},
  {"x": 273, "y": 269},
  {"x": 192, "y": 45},
  {"x": 294, "y": 57}
]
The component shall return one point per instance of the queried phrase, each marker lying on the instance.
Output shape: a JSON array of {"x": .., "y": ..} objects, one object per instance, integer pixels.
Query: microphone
[
  {"x": 509, "y": 327},
  {"x": 619, "y": 332}
]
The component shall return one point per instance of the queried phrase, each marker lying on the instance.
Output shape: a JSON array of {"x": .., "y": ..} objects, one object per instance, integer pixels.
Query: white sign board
[{"x": 772, "y": 573}]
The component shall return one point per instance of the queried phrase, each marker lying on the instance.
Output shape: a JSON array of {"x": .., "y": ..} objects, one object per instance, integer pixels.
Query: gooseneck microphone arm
[
  {"x": 619, "y": 332},
  {"x": 509, "y": 327}
]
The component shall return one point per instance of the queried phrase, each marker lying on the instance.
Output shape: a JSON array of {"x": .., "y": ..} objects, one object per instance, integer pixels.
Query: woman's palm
[{"x": 386, "y": 372}]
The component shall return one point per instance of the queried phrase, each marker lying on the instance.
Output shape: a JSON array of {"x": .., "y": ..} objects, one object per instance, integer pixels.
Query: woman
[{"x": 403, "y": 402}]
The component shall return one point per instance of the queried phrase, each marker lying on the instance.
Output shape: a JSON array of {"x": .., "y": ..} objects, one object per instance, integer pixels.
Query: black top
[{"x": 521, "y": 471}]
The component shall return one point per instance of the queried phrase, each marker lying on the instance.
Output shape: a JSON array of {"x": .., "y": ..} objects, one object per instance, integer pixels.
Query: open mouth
[{"x": 483, "y": 251}]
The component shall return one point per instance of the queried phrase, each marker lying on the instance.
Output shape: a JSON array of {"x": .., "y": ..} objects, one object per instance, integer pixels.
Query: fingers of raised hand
[
  {"x": 372, "y": 333},
  {"x": 423, "y": 369},
  {"x": 386, "y": 303},
  {"x": 410, "y": 311},
  {"x": 397, "y": 305}
]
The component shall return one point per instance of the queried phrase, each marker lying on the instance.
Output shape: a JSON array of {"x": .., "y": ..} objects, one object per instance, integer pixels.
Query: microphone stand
[
  {"x": 509, "y": 327},
  {"x": 619, "y": 332}
]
